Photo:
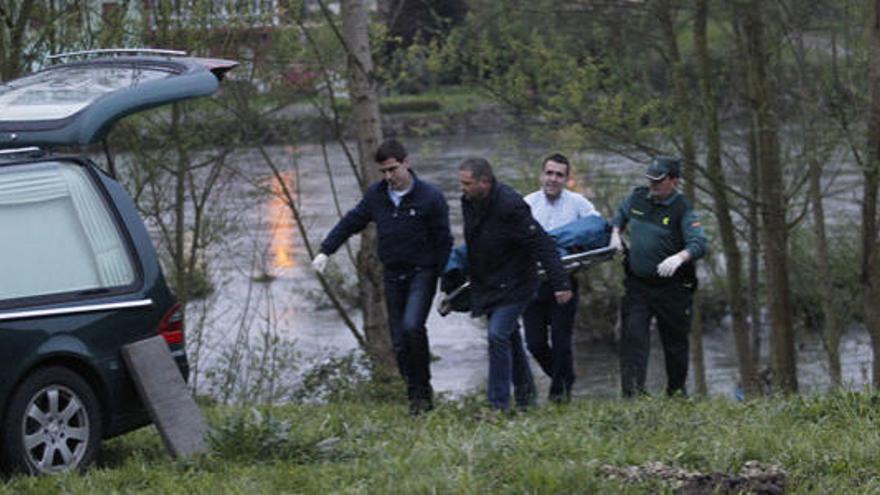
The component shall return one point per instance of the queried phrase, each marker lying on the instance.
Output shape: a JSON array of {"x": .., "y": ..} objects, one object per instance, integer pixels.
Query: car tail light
[{"x": 171, "y": 326}]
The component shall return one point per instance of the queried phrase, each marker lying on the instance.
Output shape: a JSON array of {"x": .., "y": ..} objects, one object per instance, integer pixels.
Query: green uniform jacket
[{"x": 658, "y": 230}]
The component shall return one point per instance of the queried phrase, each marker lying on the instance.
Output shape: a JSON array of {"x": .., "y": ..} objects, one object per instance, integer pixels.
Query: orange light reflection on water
[{"x": 281, "y": 223}]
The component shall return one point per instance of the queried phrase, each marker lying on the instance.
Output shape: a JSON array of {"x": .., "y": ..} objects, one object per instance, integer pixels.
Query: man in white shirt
[{"x": 548, "y": 326}]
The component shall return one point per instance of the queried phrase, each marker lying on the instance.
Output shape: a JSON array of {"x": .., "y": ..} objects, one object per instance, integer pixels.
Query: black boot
[{"x": 420, "y": 401}]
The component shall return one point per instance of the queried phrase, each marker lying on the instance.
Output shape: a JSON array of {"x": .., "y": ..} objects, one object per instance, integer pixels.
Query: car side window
[{"x": 58, "y": 234}]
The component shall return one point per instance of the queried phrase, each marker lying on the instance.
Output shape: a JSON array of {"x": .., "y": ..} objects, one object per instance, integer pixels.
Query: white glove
[
  {"x": 320, "y": 262},
  {"x": 616, "y": 243},
  {"x": 667, "y": 267}
]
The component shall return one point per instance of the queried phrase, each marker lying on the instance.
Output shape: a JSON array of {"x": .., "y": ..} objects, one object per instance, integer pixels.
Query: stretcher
[
  {"x": 571, "y": 263},
  {"x": 581, "y": 243}
]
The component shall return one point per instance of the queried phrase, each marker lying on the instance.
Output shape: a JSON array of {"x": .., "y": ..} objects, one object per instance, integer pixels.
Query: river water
[{"x": 244, "y": 316}]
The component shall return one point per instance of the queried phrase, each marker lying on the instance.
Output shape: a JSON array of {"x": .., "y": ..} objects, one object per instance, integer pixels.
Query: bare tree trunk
[
  {"x": 870, "y": 271},
  {"x": 831, "y": 331},
  {"x": 685, "y": 132},
  {"x": 14, "y": 24},
  {"x": 384, "y": 8},
  {"x": 754, "y": 294},
  {"x": 698, "y": 354},
  {"x": 365, "y": 111},
  {"x": 718, "y": 185},
  {"x": 773, "y": 209},
  {"x": 752, "y": 217},
  {"x": 6, "y": 56},
  {"x": 179, "y": 251}
]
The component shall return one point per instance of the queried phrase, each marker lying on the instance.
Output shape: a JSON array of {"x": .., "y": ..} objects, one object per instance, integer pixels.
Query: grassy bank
[{"x": 823, "y": 445}]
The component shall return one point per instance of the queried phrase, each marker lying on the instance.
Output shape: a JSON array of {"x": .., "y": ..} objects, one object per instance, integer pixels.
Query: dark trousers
[
  {"x": 548, "y": 328},
  {"x": 671, "y": 303},
  {"x": 508, "y": 363},
  {"x": 408, "y": 294}
]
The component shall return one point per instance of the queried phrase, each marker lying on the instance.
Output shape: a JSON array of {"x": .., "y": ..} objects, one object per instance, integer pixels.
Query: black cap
[{"x": 661, "y": 166}]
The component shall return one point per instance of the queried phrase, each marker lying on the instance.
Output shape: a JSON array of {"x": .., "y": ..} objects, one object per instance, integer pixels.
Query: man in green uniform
[{"x": 665, "y": 239}]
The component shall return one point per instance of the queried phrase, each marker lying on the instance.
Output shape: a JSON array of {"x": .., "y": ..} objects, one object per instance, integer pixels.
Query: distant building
[
  {"x": 240, "y": 29},
  {"x": 262, "y": 13}
]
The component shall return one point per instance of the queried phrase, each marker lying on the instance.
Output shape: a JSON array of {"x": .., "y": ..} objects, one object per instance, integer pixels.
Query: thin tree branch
[{"x": 294, "y": 209}]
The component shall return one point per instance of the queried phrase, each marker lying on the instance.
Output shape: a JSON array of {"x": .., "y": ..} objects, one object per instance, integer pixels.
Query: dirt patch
[{"x": 753, "y": 477}]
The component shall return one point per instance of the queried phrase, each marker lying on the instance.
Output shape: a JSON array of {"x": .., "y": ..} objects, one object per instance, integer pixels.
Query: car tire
[{"x": 53, "y": 423}]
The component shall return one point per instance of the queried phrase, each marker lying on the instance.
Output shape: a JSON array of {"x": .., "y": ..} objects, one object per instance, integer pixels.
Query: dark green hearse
[{"x": 79, "y": 276}]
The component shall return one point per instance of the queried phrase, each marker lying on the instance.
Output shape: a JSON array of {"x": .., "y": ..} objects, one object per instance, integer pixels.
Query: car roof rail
[
  {"x": 118, "y": 51},
  {"x": 29, "y": 151}
]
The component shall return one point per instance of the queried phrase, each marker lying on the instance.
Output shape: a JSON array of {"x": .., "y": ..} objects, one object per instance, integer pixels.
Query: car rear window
[
  {"x": 61, "y": 92},
  {"x": 59, "y": 235}
]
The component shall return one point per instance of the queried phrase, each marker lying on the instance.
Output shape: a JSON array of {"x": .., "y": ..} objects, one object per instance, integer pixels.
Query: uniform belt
[{"x": 656, "y": 281}]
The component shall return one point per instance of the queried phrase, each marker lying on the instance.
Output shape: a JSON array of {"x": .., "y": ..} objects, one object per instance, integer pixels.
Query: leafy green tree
[
  {"x": 719, "y": 83},
  {"x": 32, "y": 29}
]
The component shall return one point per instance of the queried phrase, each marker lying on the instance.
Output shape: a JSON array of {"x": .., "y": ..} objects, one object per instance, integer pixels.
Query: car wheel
[{"x": 53, "y": 423}]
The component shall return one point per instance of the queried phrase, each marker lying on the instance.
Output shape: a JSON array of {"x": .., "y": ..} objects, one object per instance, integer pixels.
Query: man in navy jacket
[
  {"x": 504, "y": 242},
  {"x": 412, "y": 222}
]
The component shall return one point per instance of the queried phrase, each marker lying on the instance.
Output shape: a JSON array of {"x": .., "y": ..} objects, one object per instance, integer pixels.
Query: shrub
[
  {"x": 250, "y": 435},
  {"x": 413, "y": 105},
  {"x": 350, "y": 377},
  {"x": 805, "y": 277}
]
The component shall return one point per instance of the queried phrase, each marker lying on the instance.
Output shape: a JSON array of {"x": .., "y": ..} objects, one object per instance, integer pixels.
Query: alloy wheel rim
[{"x": 55, "y": 430}]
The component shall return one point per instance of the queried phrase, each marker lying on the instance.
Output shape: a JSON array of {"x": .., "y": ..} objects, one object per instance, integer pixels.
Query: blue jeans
[
  {"x": 507, "y": 359},
  {"x": 548, "y": 329},
  {"x": 408, "y": 294}
]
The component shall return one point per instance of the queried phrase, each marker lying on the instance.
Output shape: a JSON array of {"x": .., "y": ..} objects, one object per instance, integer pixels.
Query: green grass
[
  {"x": 443, "y": 101},
  {"x": 826, "y": 444},
  {"x": 447, "y": 99}
]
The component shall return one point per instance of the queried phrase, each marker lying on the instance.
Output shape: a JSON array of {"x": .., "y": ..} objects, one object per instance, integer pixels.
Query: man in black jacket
[
  {"x": 412, "y": 221},
  {"x": 503, "y": 244}
]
